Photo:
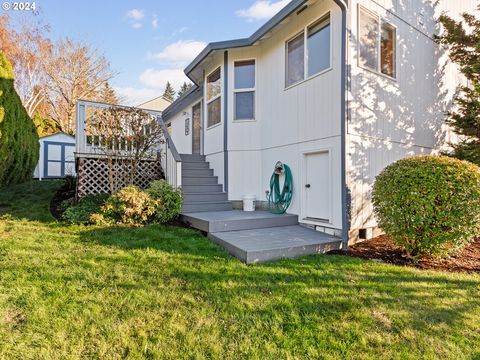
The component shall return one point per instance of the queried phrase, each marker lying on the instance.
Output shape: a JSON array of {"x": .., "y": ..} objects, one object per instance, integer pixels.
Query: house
[
  {"x": 159, "y": 103},
  {"x": 335, "y": 90},
  {"x": 56, "y": 158}
]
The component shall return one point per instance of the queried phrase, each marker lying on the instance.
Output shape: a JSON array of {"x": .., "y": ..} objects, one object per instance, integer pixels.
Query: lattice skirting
[{"x": 93, "y": 175}]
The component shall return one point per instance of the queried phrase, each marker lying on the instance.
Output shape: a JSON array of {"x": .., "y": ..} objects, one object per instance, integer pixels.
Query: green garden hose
[{"x": 279, "y": 201}]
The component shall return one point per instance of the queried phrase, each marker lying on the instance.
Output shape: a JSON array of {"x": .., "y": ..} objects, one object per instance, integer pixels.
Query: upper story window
[
  {"x": 387, "y": 50},
  {"x": 305, "y": 61},
  {"x": 377, "y": 43},
  {"x": 214, "y": 98},
  {"x": 244, "y": 90}
]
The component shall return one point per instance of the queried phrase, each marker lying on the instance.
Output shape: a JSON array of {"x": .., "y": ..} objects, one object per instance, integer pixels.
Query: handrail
[
  {"x": 169, "y": 140},
  {"x": 87, "y": 130},
  {"x": 107, "y": 105},
  {"x": 173, "y": 174}
]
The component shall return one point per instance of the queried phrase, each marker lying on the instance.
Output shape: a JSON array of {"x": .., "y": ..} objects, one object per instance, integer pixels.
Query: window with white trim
[
  {"x": 214, "y": 98},
  {"x": 244, "y": 90},
  {"x": 377, "y": 43},
  {"x": 303, "y": 61}
]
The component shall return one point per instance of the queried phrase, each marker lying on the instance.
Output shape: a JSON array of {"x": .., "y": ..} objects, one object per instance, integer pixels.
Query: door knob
[{"x": 307, "y": 186}]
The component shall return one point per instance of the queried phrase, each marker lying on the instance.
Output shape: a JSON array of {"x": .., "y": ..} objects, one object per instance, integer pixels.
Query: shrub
[
  {"x": 19, "y": 148},
  {"x": 168, "y": 201},
  {"x": 80, "y": 212},
  {"x": 429, "y": 205},
  {"x": 128, "y": 206}
]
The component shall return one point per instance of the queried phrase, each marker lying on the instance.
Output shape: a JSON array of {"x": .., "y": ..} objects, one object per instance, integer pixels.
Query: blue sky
[{"x": 148, "y": 42}]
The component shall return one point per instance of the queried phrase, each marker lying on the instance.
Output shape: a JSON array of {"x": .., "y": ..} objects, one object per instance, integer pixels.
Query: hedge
[{"x": 19, "y": 147}]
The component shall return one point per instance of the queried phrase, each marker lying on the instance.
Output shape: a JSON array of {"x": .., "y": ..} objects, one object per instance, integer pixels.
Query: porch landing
[{"x": 260, "y": 236}]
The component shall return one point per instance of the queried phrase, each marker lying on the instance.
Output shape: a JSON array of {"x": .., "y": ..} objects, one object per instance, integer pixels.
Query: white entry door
[{"x": 317, "y": 186}]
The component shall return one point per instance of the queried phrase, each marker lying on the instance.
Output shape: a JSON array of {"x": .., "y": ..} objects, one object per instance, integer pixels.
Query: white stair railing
[{"x": 171, "y": 160}]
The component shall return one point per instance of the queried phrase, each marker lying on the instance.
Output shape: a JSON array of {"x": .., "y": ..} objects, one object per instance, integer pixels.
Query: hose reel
[{"x": 279, "y": 200}]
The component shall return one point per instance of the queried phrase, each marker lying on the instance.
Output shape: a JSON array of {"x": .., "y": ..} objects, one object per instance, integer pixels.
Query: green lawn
[{"x": 163, "y": 292}]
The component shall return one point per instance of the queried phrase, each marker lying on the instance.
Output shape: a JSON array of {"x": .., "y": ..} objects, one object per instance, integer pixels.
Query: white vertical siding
[
  {"x": 393, "y": 118},
  {"x": 213, "y": 136},
  {"x": 182, "y": 142},
  {"x": 288, "y": 122}
]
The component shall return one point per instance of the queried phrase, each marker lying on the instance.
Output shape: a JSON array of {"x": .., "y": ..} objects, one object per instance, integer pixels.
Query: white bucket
[{"x": 249, "y": 203}]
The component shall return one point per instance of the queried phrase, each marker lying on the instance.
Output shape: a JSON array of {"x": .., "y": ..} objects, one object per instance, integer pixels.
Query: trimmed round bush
[
  {"x": 168, "y": 200},
  {"x": 429, "y": 205},
  {"x": 18, "y": 136}
]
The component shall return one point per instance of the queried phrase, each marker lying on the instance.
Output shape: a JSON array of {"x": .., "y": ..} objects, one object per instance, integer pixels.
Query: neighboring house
[
  {"x": 158, "y": 104},
  {"x": 56, "y": 158},
  {"x": 337, "y": 91}
]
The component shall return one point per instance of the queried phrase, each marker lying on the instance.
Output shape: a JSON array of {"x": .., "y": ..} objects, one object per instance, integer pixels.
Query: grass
[{"x": 69, "y": 292}]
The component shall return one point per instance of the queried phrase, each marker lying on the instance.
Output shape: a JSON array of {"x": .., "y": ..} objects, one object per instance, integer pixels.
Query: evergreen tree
[
  {"x": 464, "y": 50},
  {"x": 169, "y": 93},
  {"x": 18, "y": 136},
  {"x": 108, "y": 95},
  {"x": 184, "y": 89}
]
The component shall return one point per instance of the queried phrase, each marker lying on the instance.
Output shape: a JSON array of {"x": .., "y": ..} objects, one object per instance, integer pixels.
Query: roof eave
[
  {"x": 252, "y": 39},
  {"x": 194, "y": 94}
]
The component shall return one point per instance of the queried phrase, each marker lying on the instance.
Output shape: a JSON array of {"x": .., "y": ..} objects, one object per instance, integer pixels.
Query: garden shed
[{"x": 56, "y": 158}]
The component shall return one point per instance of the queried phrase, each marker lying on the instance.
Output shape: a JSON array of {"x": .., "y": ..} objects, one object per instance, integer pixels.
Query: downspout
[
  {"x": 343, "y": 119},
  {"x": 225, "y": 121}
]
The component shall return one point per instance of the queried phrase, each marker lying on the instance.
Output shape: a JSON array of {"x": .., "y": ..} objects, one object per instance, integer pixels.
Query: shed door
[
  {"x": 196, "y": 128},
  {"x": 317, "y": 186},
  {"x": 59, "y": 159}
]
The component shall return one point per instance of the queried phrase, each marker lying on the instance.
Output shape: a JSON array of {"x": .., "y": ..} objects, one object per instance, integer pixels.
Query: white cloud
[
  {"x": 155, "y": 21},
  {"x": 180, "y": 52},
  {"x": 262, "y": 9},
  {"x": 179, "y": 31},
  {"x": 153, "y": 82},
  {"x": 135, "y": 17},
  {"x": 135, "y": 14},
  {"x": 156, "y": 79},
  {"x": 135, "y": 96}
]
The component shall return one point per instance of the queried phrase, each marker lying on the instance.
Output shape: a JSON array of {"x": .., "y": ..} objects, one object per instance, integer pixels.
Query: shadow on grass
[
  {"x": 296, "y": 295},
  {"x": 29, "y": 201},
  {"x": 327, "y": 287},
  {"x": 164, "y": 238}
]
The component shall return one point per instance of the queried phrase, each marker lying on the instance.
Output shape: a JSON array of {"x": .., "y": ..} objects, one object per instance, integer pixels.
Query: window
[
  {"x": 318, "y": 46},
  {"x": 377, "y": 47},
  {"x": 295, "y": 60},
  {"x": 387, "y": 50},
  {"x": 214, "y": 98},
  {"x": 244, "y": 90},
  {"x": 303, "y": 62},
  {"x": 368, "y": 35}
]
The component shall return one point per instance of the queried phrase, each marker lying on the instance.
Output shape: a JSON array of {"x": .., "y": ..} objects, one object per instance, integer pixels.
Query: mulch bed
[
  {"x": 62, "y": 194},
  {"x": 383, "y": 249}
]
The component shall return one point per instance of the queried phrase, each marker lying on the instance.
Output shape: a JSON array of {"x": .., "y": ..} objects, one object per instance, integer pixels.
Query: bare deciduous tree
[
  {"x": 51, "y": 77},
  {"x": 73, "y": 71},
  {"x": 23, "y": 48},
  {"x": 29, "y": 75}
]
